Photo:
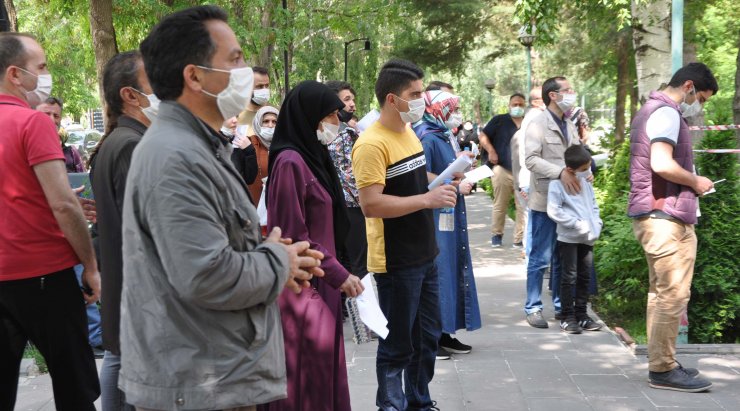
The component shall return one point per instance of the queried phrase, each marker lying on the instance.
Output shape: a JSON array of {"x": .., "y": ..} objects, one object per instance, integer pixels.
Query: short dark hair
[
  {"x": 338, "y": 85},
  {"x": 517, "y": 95},
  {"x": 261, "y": 70},
  {"x": 576, "y": 156},
  {"x": 549, "y": 86},
  {"x": 437, "y": 85},
  {"x": 12, "y": 51},
  {"x": 179, "y": 39},
  {"x": 394, "y": 76},
  {"x": 51, "y": 100},
  {"x": 699, "y": 73}
]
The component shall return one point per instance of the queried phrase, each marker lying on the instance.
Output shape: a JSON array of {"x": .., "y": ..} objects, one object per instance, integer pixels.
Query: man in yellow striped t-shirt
[{"x": 389, "y": 167}]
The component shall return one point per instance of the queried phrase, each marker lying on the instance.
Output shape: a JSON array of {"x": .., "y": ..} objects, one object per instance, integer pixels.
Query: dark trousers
[
  {"x": 356, "y": 243},
  {"x": 50, "y": 312},
  {"x": 576, "y": 261},
  {"x": 409, "y": 298}
]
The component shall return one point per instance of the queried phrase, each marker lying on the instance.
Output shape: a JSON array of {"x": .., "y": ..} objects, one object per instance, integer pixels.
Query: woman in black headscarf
[{"x": 305, "y": 199}]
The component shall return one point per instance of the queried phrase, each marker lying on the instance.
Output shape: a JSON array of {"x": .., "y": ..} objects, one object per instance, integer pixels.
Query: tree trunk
[
  {"x": 651, "y": 34},
  {"x": 103, "y": 36},
  {"x": 264, "y": 59},
  {"x": 736, "y": 100},
  {"x": 623, "y": 85},
  {"x": 689, "y": 55},
  {"x": 12, "y": 15}
]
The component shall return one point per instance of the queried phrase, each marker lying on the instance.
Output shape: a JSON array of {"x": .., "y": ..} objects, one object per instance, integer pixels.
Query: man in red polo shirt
[{"x": 43, "y": 234}]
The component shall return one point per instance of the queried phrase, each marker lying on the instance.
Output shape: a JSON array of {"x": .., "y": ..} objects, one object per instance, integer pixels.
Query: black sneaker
[
  {"x": 518, "y": 245},
  {"x": 692, "y": 372},
  {"x": 535, "y": 320},
  {"x": 678, "y": 380},
  {"x": 571, "y": 327},
  {"x": 559, "y": 315},
  {"x": 497, "y": 241},
  {"x": 589, "y": 325},
  {"x": 434, "y": 406},
  {"x": 453, "y": 345},
  {"x": 442, "y": 354}
]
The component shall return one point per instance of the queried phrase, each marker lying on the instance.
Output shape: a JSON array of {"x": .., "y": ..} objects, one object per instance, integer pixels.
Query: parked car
[{"x": 84, "y": 141}]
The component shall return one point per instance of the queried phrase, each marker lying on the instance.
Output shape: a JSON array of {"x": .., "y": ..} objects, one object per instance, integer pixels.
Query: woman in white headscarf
[{"x": 264, "y": 126}]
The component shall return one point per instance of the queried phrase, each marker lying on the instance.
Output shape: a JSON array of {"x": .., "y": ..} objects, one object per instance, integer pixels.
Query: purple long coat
[{"x": 312, "y": 320}]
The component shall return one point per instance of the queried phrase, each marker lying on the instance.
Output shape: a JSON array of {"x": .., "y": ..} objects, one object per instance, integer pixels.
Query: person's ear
[
  {"x": 129, "y": 96},
  {"x": 193, "y": 78},
  {"x": 390, "y": 99}
]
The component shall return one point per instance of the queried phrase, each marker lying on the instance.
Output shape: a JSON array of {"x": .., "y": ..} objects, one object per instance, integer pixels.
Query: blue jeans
[
  {"x": 409, "y": 298},
  {"x": 541, "y": 254},
  {"x": 95, "y": 333},
  {"x": 111, "y": 398}
]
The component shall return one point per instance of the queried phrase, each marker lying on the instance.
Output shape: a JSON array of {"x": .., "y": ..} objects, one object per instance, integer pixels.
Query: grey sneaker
[
  {"x": 678, "y": 379},
  {"x": 589, "y": 325},
  {"x": 535, "y": 320},
  {"x": 570, "y": 327},
  {"x": 692, "y": 372},
  {"x": 497, "y": 241}
]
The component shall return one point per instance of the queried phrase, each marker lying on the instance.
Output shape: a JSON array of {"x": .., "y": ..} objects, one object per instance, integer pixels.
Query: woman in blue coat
[{"x": 458, "y": 298}]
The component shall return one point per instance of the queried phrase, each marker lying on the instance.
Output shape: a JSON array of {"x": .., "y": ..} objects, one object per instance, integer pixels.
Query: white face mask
[
  {"x": 267, "y": 132},
  {"x": 261, "y": 96},
  {"x": 329, "y": 134},
  {"x": 516, "y": 111},
  {"x": 584, "y": 174},
  {"x": 568, "y": 101},
  {"x": 454, "y": 121},
  {"x": 42, "y": 90},
  {"x": 690, "y": 110},
  {"x": 153, "y": 109},
  {"x": 416, "y": 110},
  {"x": 234, "y": 98}
]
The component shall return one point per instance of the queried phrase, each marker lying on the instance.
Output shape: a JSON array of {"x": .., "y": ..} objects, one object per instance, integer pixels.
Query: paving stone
[
  {"x": 621, "y": 404},
  {"x": 606, "y": 386},
  {"x": 558, "y": 404}
]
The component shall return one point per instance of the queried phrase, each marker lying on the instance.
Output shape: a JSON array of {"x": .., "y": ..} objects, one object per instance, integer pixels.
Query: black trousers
[
  {"x": 576, "y": 261},
  {"x": 50, "y": 312}
]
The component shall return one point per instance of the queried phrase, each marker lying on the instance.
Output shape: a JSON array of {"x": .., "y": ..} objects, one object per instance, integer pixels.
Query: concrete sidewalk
[{"x": 514, "y": 366}]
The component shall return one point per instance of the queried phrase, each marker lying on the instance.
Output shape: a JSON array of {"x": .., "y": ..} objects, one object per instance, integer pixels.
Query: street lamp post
[
  {"x": 346, "y": 45},
  {"x": 526, "y": 37},
  {"x": 490, "y": 84}
]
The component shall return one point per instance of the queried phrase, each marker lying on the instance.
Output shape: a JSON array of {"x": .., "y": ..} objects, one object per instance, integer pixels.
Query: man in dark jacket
[
  {"x": 663, "y": 204},
  {"x": 128, "y": 99}
]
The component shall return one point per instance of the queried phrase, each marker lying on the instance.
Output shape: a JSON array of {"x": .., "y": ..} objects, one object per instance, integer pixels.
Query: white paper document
[
  {"x": 475, "y": 175},
  {"x": 458, "y": 166},
  {"x": 370, "y": 312}
]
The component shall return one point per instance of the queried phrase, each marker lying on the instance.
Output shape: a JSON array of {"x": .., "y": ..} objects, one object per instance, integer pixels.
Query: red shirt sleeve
[{"x": 41, "y": 140}]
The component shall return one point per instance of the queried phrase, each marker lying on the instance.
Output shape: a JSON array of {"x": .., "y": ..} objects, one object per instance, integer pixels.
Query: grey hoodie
[{"x": 577, "y": 215}]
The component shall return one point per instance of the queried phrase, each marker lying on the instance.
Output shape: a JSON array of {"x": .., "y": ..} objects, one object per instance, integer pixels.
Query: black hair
[
  {"x": 55, "y": 100},
  {"x": 576, "y": 156},
  {"x": 437, "y": 85},
  {"x": 395, "y": 76},
  {"x": 120, "y": 71},
  {"x": 179, "y": 39},
  {"x": 518, "y": 95},
  {"x": 550, "y": 85},
  {"x": 338, "y": 85},
  {"x": 699, "y": 73},
  {"x": 261, "y": 70},
  {"x": 12, "y": 51}
]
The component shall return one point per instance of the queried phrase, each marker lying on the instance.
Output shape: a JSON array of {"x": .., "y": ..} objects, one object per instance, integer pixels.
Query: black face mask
[{"x": 344, "y": 116}]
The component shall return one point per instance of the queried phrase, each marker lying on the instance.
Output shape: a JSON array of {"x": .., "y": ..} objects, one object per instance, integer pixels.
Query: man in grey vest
[{"x": 663, "y": 203}]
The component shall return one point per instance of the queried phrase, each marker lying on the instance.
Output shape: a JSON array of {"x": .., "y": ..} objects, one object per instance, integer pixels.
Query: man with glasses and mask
[
  {"x": 546, "y": 138},
  {"x": 663, "y": 203},
  {"x": 43, "y": 235},
  {"x": 200, "y": 324}
]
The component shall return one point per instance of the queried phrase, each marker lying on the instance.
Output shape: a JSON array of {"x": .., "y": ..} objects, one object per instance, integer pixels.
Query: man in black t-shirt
[{"x": 496, "y": 141}]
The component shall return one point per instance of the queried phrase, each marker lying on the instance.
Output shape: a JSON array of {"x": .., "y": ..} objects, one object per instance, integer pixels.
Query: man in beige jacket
[{"x": 546, "y": 138}]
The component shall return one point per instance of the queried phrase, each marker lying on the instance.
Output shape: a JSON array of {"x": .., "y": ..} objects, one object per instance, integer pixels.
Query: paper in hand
[
  {"x": 475, "y": 175},
  {"x": 458, "y": 166},
  {"x": 370, "y": 311}
]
